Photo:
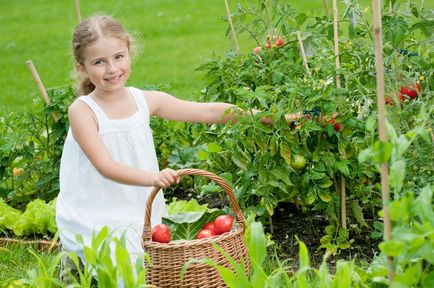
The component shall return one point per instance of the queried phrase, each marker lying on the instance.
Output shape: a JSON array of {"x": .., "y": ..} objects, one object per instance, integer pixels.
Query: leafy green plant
[
  {"x": 37, "y": 219},
  {"x": 186, "y": 218},
  {"x": 31, "y": 148},
  {"x": 98, "y": 262}
]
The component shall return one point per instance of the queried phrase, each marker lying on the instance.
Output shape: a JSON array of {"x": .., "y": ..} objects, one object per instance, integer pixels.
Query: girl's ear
[{"x": 82, "y": 70}]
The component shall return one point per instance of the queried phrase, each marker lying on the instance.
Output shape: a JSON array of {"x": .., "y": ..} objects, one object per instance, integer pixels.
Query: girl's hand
[{"x": 165, "y": 178}]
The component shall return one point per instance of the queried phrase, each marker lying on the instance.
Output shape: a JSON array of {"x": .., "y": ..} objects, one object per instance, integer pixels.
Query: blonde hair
[{"x": 89, "y": 31}]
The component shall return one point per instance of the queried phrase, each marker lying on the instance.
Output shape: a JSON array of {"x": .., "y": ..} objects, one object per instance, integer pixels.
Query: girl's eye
[
  {"x": 98, "y": 62},
  {"x": 120, "y": 56}
]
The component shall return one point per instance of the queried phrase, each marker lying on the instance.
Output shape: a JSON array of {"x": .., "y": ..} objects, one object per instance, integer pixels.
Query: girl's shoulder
[
  {"x": 153, "y": 99},
  {"x": 80, "y": 110}
]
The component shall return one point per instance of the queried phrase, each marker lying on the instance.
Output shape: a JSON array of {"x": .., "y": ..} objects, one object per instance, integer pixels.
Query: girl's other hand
[{"x": 165, "y": 178}]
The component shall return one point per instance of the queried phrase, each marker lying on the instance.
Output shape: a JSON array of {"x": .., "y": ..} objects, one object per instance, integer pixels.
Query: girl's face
[{"x": 107, "y": 63}]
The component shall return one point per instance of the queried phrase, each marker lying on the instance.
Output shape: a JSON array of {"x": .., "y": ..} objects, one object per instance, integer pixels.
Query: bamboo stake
[
  {"x": 234, "y": 35},
  {"x": 77, "y": 10},
  {"x": 379, "y": 67},
  {"x": 336, "y": 42},
  {"x": 326, "y": 6},
  {"x": 338, "y": 85},
  {"x": 303, "y": 53},
  {"x": 390, "y": 7},
  {"x": 41, "y": 87}
]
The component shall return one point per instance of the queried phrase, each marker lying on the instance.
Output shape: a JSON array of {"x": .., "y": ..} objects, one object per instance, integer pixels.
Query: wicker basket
[{"x": 167, "y": 259}]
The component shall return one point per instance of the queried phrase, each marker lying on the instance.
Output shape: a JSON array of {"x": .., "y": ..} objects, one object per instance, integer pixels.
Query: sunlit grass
[{"x": 176, "y": 37}]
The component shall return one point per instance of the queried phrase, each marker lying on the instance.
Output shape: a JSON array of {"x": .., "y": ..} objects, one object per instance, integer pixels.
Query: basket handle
[{"x": 147, "y": 234}]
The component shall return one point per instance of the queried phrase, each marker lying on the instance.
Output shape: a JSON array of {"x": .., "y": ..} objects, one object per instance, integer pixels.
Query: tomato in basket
[
  {"x": 205, "y": 233},
  {"x": 223, "y": 224},
  {"x": 161, "y": 233}
]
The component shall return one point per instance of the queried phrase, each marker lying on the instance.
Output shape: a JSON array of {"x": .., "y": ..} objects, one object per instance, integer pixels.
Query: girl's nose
[{"x": 111, "y": 67}]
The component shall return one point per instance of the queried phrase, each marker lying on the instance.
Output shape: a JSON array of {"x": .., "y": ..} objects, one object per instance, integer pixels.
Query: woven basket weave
[{"x": 167, "y": 259}]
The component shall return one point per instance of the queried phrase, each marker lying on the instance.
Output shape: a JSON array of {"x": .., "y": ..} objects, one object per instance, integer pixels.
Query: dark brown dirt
[{"x": 289, "y": 222}]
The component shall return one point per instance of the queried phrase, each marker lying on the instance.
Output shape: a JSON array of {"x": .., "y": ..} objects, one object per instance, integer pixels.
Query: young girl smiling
[{"x": 109, "y": 165}]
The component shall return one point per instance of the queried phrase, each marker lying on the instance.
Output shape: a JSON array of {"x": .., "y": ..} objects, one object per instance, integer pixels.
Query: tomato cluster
[
  {"x": 409, "y": 92},
  {"x": 336, "y": 126},
  {"x": 221, "y": 224},
  {"x": 278, "y": 42}
]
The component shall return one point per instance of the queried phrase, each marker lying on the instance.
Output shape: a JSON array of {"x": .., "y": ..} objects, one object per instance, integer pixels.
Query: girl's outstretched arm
[
  {"x": 85, "y": 130},
  {"x": 169, "y": 107}
]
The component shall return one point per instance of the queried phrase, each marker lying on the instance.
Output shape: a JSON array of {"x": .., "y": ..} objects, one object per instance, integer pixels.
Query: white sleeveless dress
[{"x": 87, "y": 201}]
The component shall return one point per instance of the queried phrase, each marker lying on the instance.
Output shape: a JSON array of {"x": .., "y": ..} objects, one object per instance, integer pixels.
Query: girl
[{"x": 109, "y": 164}]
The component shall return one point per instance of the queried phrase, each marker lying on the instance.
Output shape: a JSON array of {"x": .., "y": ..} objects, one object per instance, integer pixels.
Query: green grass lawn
[{"x": 176, "y": 36}]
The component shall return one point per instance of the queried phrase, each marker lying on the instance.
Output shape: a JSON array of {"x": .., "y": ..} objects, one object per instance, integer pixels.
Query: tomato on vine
[{"x": 299, "y": 162}]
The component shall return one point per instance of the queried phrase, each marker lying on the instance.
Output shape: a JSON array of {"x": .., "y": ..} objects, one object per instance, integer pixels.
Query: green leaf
[
  {"x": 325, "y": 196},
  {"x": 370, "y": 123},
  {"x": 241, "y": 159},
  {"x": 395, "y": 29},
  {"x": 423, "y": 205},
  {"x": 214, "y": 147},
  {"x": 392, "y": 247},
  {"x": 257, "y": 243},
  {"x": 181, "y": 206},
  {"x": 202, "y": 155},
  {"x": 283, "y": 175},
  {"x": 285, "y": 152},
  {"x": 358, "y": 213},
  {"x": 428, "y": 280},
  {"x": 397, "y": 175},
  {"x": 185, "y": 226},
  {"x": 324, "y": 183},
  {"x": 381, "y": 151},
  {"x": 364, "y": 155},
  {"x": 343, "y": 168}
]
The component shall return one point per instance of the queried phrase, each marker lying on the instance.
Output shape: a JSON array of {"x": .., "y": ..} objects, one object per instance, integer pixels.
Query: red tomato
[
  {"x": 279, "y": 42},
  {"x": 268, "y": 45},
  {"x": 205, "y": 233},
  {"x": 161, "y": 233},
  {"x": 256, "y": 50},
  {"x": 338, "y": 127},
  {"x": 209, "y": 226},
  {"x": 223, "y": 224},
  {"x": 410, "y": 91}
]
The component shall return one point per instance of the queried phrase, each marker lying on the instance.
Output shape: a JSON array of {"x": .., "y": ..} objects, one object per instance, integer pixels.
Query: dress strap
[
  {"x": 140, "y": 100},
  {"x": 100, "y": 116}
]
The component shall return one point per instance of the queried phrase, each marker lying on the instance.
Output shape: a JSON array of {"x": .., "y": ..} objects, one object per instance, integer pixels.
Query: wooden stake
[
  {"x": 234, "y": 35},
  {"x": 379, "y": 68},
  {"x": 77, "y": 10},
  {"x": 41, "y": 87},
  {"x": 338, "y": 85},
  {"x": 326, "y": 7},
  {"x": 303, "y": 54},
  {"x": 336, "y": 42}
]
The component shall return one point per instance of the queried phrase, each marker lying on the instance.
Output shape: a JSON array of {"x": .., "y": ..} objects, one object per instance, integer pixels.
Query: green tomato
[{"x": 299, "y": 162}]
